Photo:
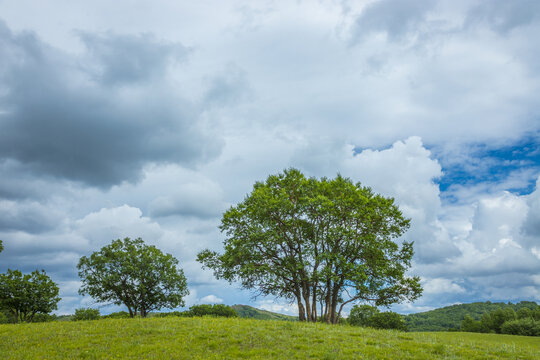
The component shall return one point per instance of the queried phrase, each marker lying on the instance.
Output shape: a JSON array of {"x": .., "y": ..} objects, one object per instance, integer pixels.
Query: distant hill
[
  {"x": 245, "y": 311},
  {"x": 450, "y": 317}
]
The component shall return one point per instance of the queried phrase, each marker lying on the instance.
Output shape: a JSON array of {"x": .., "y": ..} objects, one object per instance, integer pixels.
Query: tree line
[
  {"x": 525, "y": 321},
  {"x": 320, "y": 243}
]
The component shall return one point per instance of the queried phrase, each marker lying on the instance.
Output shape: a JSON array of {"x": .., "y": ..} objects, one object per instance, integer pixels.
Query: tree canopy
[
  {"x": 323, "y": 243},
  {"x": 25, "y": 295},
  {"x": 132, "y": 273}
]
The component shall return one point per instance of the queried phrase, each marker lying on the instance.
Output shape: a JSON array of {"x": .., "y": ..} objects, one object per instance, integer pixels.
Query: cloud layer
[{"x": 150, "y": 124}]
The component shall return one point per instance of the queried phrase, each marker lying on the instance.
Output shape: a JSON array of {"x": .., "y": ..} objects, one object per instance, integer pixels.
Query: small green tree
[
  {"x": 1, "y": 246},
  {"x": 27, "y": 295},
  {"x": 218, "y": 310},
  {"x": 499, "y": 317},
  {"x": 524, "y": 313},
  {"x": 524, "y": 326},
  {"x": 132, "y": 273},
  {"x": 360, "y": 315},
  {"x": 86, "y": 314},
  {"x": 387, "y": 320},
  {"x": 470, "y": 325}
]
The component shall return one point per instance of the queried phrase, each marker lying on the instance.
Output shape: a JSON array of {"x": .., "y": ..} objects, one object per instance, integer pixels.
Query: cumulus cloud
[
  {"x": 126, "y": 59},
  {"x": 396, "y": 19},
  {"x": 504, "y": 16},
  {"x": 58, "y": 121},
  {"x": 211, "y": 299}
]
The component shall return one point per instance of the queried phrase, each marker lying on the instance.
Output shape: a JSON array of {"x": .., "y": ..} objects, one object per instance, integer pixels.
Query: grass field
[{"x": 220, "y": 338}]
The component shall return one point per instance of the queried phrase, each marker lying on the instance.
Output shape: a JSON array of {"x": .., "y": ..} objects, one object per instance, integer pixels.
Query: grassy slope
[
  {"x": 246, "y": 311},
  {"x": 451, "y": 316},
  {"x": 219, "y": 338}
]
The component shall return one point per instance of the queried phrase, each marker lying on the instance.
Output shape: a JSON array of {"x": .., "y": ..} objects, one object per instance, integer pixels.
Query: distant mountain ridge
[
  {"x": 450, "y": 317},
  {"x": 246, "y": 311}
]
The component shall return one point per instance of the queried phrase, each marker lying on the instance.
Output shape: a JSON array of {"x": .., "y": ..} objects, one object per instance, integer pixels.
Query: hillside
[
  {"x": 248, "y": 312},
  {"x": 450, "y": 317},
  {"x": 233, "y": 338}
]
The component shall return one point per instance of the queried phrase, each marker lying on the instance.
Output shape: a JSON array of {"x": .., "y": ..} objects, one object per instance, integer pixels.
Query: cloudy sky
[{"x": 150, "y": 118}]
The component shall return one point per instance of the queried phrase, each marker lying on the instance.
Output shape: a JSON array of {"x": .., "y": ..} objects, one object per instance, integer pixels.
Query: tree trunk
[
  {"x": 301, "y": 310},
  {"x": 314, "y": 304},
  {"x": 308, "y": 306}
]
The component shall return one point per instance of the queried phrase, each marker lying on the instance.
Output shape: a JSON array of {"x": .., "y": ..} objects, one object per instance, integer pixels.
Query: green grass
[{"x": 220, "y": 338}]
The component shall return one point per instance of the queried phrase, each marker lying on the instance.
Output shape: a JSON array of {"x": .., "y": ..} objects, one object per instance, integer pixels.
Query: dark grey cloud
[
  {"x": 58, "y": 121},
  {"x": 503, "y": 15},
  {"x": 395, "y": 18},
  {"x": 122, "y": 59}
]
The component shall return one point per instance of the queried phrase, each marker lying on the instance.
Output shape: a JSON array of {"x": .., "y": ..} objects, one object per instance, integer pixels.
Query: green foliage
[
  {"x": 450, "y": 317},
  {"x": 3, "y": 318},
  {"x": 470, "y": 325},
  {"x": 524, "y": 313},
  {"x": 25, "y": 296},
  {"x": 316, "y": 241},
  {"x": 1, "y": 246},
  {"x": 86, "y": 314},
  {"x": 117, "y": 315},
  {"x": 132, "y": 273},
  {"x": 523, "y": 326},
  {"x": 211, "y": 310},
  {"x": 168, "y": 314},
  {"x": 234, "y": 338},
  {"x": 40, "y": 317},
  {"x": 387, "y": 320},
  {"x": 370, "y": 316},
  {"x": 360, "y": 315},
  {"x": 505, "y": 321}
]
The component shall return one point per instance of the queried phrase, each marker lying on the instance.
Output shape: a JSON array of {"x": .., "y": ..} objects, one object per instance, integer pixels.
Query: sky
[{"x": 150, "y": 118}]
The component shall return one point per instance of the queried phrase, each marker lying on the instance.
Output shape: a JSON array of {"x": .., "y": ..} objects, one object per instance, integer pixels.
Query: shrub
[
  {"x": 212, "y": 310},
  {"x": 86, "y": 314},
  {"x": 361, "y": 314},
  {"x": 168, "y": 314},
  {"x": 3, "y": 318},
  {"x": 526, "y": 327},
  {"x": 117, "y": 315},
  {"x": 470, "y": 325},
  {"x": 387, "y": 320}
]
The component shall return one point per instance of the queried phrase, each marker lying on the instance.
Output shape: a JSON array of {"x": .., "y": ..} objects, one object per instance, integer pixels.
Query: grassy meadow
[{"x": 229, "y": 338}]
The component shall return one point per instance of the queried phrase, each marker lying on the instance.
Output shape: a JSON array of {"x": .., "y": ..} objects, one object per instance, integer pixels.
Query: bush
[
  {"x": 168, "y": 314},
  {"x": 387, "y": 320},
  {"x": 361, "y": 314},
  {"x": 212, "y": 310},
  {"x": 43, "y": 318},
  {"x": 86, "y": 314},
  {"x": 526, "y": 327},
  {"x": 470, "y": 325},
  {"x": 3, "y": 318},
  {"x": 117, "y": 315}
]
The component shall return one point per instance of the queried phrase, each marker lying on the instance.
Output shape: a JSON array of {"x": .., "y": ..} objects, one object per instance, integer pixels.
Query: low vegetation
[
  {"x": 451, "y": 317},
  {"x": 233, "y": 338}
]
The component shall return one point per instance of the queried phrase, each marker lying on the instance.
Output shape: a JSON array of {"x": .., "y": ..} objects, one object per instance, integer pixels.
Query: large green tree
[
  {"x": 25, "y": 295},
  {"x": 322, "y": 243},
  {"x": 134, "y": 274}
]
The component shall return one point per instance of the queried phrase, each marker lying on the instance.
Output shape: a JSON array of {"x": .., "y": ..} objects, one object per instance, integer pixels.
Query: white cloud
[
  {"x": 441, "y": 286},
  {"x": 211, "y": 299}
]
